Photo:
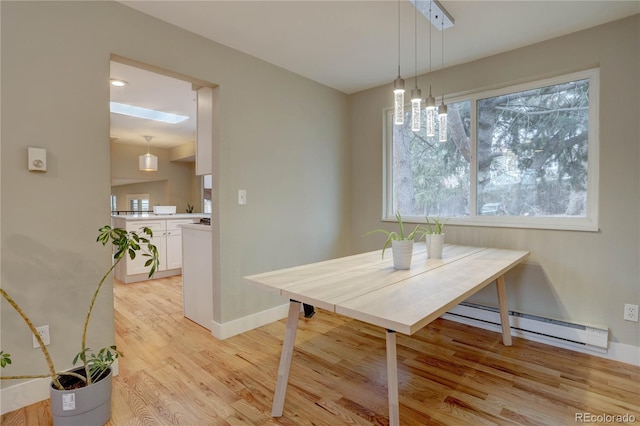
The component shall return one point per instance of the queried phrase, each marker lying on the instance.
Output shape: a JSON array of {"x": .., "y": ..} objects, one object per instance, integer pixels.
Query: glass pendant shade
[
  {"x": 442, "y": 123},
  {"x": 431, "y": 115},
  {"x": 148, "y": 163},
  {"x": 398, "y": 101},
  {"x": 416, "y": 99}
]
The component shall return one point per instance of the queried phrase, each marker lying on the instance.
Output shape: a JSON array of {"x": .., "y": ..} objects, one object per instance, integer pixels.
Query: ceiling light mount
[
  {"x": 118, "y": 82},
  {"x": 435, "y": 13}
]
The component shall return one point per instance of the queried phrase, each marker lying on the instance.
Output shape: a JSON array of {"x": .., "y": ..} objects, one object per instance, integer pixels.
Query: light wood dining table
[{"x": 366, "y": 287}]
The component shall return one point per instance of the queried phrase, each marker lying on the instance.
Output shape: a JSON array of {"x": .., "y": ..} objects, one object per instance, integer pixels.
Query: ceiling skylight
[{"x": 149, "y": 114}]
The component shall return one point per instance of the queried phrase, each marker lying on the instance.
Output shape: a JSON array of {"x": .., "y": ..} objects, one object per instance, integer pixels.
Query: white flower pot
[
  {"x": 434, "y": 246},
  {"x": 402, "y": 253}
]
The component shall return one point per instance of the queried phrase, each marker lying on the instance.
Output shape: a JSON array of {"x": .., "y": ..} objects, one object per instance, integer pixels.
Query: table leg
[
  {"x": 504, "y": 311},
  {"x": 392, "y": 379},
  {"x": 285, "y": 358}
]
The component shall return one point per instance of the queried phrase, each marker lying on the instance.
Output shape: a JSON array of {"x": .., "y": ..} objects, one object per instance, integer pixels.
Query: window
[
  {"x": 114, "y": 204},
  {"x": 138, "y": 203},
  {"x": 206, "y": 194},
  {"x": 522, "y": 156}
]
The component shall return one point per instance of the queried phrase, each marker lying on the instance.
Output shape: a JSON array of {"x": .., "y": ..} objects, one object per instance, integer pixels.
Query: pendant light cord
[
  {"x": 430, "y": 1},
  {"x": 415, "y": 43},
  {"x": 398, "y": 38},
  {"x": 442, "y": 47},
  {"x": 148, "y": 139}
]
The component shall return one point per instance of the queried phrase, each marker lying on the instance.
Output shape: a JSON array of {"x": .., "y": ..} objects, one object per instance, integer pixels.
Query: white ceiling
[
  {"x": 157, "y": 92},
  {"x": 353, "y": 45}
]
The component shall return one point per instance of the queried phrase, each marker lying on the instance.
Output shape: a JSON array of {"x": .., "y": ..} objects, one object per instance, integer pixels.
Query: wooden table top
[{"x": 368, "y": 288}]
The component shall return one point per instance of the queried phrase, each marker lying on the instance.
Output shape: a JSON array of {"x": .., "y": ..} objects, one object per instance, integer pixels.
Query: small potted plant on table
[
  {"x": 401, "y": 244},
  {"x": 434, "y": 235}
]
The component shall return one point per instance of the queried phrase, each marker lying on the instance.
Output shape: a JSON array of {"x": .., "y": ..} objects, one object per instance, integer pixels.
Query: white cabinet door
[
  {"x": 174, "y": 242},
  {"x": 136, "y": 266},
  {"x": 174, "y": 249}
]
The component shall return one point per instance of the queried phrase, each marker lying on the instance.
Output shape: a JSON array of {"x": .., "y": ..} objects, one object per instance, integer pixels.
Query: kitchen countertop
[{"x": 148, "y": 216}]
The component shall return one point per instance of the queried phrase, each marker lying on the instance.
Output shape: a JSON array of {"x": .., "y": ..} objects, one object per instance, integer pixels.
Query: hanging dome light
[{"x": 148, "y": 162}]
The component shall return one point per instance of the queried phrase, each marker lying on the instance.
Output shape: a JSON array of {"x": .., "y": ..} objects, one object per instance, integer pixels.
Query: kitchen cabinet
[
  {"x": 136, "y": 266},
  {"x": 206, "y": 100},
  {"x": 167, "y": 237},
  {"x": 174, "y": 243}
]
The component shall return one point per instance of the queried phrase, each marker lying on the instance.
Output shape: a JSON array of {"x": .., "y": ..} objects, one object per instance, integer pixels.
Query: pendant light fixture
[
  {"x": 398, "y": 86},
  {"x": 416, "y": 93},
  {"x": 148, "y": 162},
  {"x": 430, "y": 102},
  {"x": 442, "y": 110},
  {"x": 442, "y": 122}
]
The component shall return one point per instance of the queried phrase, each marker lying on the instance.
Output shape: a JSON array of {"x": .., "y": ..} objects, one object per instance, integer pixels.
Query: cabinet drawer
[
  {"x": 157, "y": 226},
  {"x": 174, "y": 225}
]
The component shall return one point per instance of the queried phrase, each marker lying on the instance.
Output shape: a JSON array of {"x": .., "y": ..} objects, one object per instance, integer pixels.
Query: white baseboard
[
  {"x": 225, "y": 330},
  {"x": 29, "y": 392},
  {"x": 616, "y": 351},
  {"x": 23, "y": 394}
]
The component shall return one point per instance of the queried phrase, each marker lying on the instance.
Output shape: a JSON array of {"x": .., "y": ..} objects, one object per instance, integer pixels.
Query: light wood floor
[{"x": 175, "y": 373}]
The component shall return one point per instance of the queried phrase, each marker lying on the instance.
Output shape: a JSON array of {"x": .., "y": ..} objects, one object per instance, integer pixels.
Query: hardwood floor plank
[{"x": 175, "y": 373}]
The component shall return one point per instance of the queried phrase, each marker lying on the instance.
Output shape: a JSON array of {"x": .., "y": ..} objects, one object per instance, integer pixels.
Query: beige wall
[
  {"x": 282, "y": 138},
  {"x": 174, "y": 184},
  {"x": 577, "y": 276}
]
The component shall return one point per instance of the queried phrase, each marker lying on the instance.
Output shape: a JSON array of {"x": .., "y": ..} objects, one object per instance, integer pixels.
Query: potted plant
[
  {"x": 401, "y": 244},
  {"x": 82, "y": 396},
  {"x": 434, "y": 232}
]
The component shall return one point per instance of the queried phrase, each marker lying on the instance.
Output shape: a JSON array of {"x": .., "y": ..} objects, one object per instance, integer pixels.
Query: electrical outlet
[
  {"x": 630, "y": 312},
  {"x": 43, "y": 331}
]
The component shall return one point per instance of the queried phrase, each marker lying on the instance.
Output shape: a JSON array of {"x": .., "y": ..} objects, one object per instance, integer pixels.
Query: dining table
[{"x": 366, "y": 287}]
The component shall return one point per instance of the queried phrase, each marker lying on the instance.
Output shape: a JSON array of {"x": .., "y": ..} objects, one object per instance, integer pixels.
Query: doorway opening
[{"x": 136, "y": 193}]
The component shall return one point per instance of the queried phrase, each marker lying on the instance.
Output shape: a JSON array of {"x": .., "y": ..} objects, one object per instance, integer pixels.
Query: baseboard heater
[{"x": 532, "y": 327}]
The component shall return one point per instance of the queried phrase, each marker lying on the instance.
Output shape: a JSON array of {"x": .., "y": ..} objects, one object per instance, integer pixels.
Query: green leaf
[
  {"x": 383, "y": 231},
  {"x": 399, "y": 219},
  {"x": 118, "y": 254},
  {"x": 5, "y": 359}
]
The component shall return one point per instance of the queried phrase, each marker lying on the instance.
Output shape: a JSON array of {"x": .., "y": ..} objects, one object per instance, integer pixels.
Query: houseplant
[
  {"x": 70, "y": 390},
  {"x": 401, "y": 243},
  {"x": 434, "y": 232}
]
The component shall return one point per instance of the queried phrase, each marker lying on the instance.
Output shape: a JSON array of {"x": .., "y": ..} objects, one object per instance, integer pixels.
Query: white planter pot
[
  {"x": 402, "y": 253},
  {"x": 434, "y": 245},
  {"x": 87, "y": 406}
]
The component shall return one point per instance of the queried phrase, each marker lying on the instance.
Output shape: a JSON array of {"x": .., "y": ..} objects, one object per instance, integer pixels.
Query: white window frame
[
  {"x": 142, "y": 198},
  {"x": 587, "y": 223}
]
